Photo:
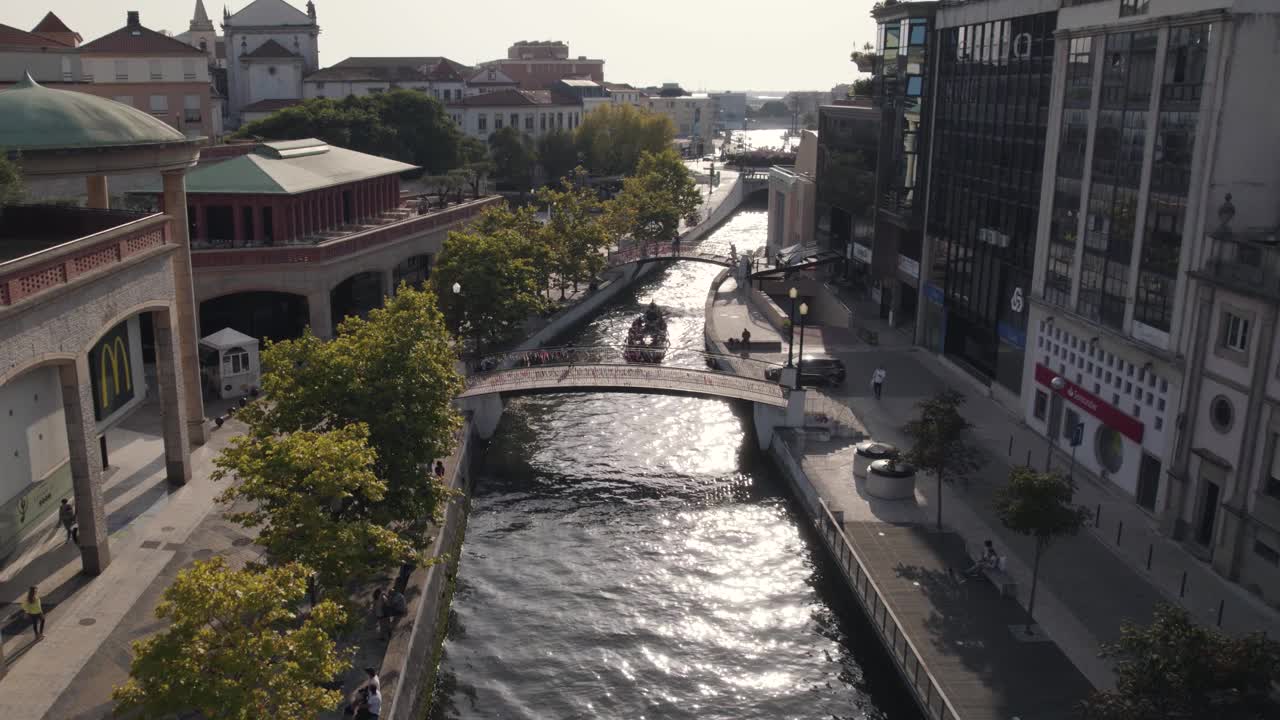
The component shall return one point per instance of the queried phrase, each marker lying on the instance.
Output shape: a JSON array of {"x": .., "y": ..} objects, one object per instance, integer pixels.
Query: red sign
[{"x": 1110, "y": 415}]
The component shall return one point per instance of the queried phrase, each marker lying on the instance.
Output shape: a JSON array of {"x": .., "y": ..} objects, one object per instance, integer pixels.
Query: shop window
[
  {"x": 1108, "y": 446},
  {"x": 1041, "y": 405},
  {"x": 1266, "y": 552}
]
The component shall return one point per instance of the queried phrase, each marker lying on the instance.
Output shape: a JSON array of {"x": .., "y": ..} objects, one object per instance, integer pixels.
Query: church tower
[
  {"x": 270, "y": 46},
  {"x": 202, "y": 34}
]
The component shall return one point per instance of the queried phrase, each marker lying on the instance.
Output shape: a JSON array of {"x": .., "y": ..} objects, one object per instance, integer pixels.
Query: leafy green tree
[
  {"x": 499, "y": 265},
  {"x": 862, "y": 87},
  {"x": 654, "y": 200},
  {"x": 774, "y": 109},
  {"x": 513, "y": 157},
  {"x": 576, "y": 236},
  {"x": 236, "y": 648},
  {"x": 312, "y": 498},
  {"x": 394, "y": 372},
  {"x": 12, "y": 189},
  {"x": 406, "y": 125},
  {"x": 474, "y": 174},
  {"x": 940, "y": 440},
  {"x": 612, "y": 138},
  {"x": 558, "y": 155},
  {"x": 1177, "y": 669},
  {"x": 1039, "y": 504}
]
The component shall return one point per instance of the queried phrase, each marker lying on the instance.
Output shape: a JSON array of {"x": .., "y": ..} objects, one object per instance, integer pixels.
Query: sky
[{"x": 711, "y": 45}]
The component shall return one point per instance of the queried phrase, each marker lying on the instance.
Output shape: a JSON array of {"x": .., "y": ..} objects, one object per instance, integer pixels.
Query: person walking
[
  {"x": 67, "y": 515},
  {"x": 877, "y": 380},
  {"x": 746, "y": 340},
  {"x": 35, "y": 613}
]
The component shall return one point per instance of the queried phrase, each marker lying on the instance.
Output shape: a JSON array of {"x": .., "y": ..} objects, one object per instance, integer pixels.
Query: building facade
[
  {"x": 730, "y": 110},
  {"x": 692, "y": 116},
  {"x": 532, "y": 112},
  {"x": 792, "y": 196},
  {"x": 845, "y": 177},
  {"x": 203, "y": 35},
  {"x": 270, "y": 47},
  {"x": 534, "y": 65},
  {"x": 624, "y": 94}
]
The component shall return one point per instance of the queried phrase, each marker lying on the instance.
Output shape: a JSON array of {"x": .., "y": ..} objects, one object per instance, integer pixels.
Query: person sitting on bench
[{"x": 989, "y": 560}]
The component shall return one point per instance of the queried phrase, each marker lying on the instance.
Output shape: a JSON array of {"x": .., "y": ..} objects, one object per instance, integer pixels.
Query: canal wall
[
  {"x": 408, "y": 670},
  {"x": 828, "y": 525}
]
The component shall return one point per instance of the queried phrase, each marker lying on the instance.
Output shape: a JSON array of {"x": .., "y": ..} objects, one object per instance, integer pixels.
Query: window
[
  {"x": 560, "y": 120},
  {"x": 1235, "y": 332},
  {"x": 191, "y": 108},
  {"x": 1134, "y": 7},
  {"x": 497, "y": 121},
  {"x": 122, "y": 69},
  {"x": 189, "y": 69},
  {"x": 159, "y": 104},
  {"x": 515, "y": 120},
  {"x": 528, "y": 122},
  {"x": 1041, "y": 406},
  {"x": 482, "y": 121},
  {"x": 319, "y": 84},
  {"x": 542, "y": 119},
  {"x": 235, "y": 362},
  {"x": 157, "y": 71},
  {"x": 1266, "y": 552}
]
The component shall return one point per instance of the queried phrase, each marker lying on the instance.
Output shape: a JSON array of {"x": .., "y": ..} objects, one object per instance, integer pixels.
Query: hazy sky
[{"x": 710, "y": 45}]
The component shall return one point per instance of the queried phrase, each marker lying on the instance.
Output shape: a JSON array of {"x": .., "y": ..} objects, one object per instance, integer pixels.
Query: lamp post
[
  {"x": 457, "y": 290},
  {"x": 804, "y": 311},
  {"x": 791, "y": 328},
  {"x": 1057, "y": 384}
]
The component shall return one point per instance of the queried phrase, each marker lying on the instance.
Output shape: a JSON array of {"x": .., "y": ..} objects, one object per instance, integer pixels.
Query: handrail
[
  {"x": 77, "y": 245},
  {"x": 597, "y": 355}
]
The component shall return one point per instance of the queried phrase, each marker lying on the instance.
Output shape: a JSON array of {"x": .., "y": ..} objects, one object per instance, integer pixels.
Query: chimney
[{"x": 133, "y": 20}]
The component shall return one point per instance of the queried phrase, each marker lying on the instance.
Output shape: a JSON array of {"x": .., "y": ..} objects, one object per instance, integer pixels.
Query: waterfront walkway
[{"x": 1088, "y": 584}]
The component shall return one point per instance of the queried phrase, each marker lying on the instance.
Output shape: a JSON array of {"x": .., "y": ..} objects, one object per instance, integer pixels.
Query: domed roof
[{"x": 34, "y": 117}]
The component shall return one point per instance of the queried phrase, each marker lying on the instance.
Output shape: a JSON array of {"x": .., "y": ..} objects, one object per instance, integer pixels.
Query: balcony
[
  {"x": 1246, "y": 261},
  {"x": 412, "y": 218},
  {"x": 45, "y": 247}
]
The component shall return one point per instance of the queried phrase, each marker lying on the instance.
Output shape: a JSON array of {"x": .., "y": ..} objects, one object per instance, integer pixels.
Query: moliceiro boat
[{"x": 647, "y": 340}]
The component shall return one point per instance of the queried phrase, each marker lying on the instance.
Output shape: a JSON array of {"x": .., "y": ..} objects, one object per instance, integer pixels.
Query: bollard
[
  {"x": 1119, "y": 531},
  {"x": 1097, "y": 516},
  {"x": 1221, "y": 604},
  {"x": 1149, "y": 549},
  {"x": 1182, "y": 590},
  {"x": 1010, "y": 445}
]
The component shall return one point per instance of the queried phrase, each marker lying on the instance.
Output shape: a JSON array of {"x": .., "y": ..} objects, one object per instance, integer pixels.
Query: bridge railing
[
  {"x": 736, "y": 365},
  {"x": 663, "y": 251}
]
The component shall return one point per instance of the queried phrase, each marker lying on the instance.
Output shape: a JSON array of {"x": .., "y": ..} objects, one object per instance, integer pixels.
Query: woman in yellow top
[{"x": 31, "y": 606}]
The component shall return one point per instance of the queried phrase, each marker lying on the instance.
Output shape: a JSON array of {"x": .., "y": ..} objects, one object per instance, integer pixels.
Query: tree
[
  {"x": 12, "y": 189},
  {"x": 474, "y": 175},
  {"x": 558, "y": 155},
  {"x": 513, "y": 156},
  {"x": 774, "y": 109},
  {"x": 810, "y": 121},
  {"x": 394, "y": 372},
  {"x": 654, "y": 200},
  {"x": 612, "y": 138},
  {"x": 1176, "y": 669},
  {"x": 1039, "y": 504},
  {"x": 862, "y": 87},
  {"x": 313, "y": 497},
  {"x": 574, "y": 233},
  {"x": 236, "y": 648},
  {"x": 499, "y": 264},
  {"x": 407, "y": 125},
  {"x": 940, "y": 443}
]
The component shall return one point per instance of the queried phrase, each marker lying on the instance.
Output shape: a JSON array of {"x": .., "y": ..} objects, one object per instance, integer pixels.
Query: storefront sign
[
  {"x": 1110, "y": 415},
  {"x": 862, "y": 253},
  {"x": 38, "y": 501},
  {"x": 111, "y": 372},
  {"x": 933, "y": 293},
  {"x": 908, "y": 266}
]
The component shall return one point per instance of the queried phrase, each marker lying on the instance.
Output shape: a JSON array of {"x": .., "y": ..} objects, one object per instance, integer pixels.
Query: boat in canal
[{"x": 647, "y": 339}]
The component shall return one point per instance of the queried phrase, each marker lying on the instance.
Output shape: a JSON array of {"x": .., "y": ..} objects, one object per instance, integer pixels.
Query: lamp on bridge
[
  {"x": 804, "y": 311},
  {"x": 791, "y": 326}
]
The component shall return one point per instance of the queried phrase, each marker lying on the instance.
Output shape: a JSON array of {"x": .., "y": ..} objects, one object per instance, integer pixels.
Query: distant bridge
[{"x": 657, "y": 252}]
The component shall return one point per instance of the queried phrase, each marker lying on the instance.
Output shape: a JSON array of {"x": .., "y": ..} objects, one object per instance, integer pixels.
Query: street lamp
[
  {"x": 791, "y": 340},
  {"x": 804, "y": 310},
  {"x": 1057, "y": 383}
]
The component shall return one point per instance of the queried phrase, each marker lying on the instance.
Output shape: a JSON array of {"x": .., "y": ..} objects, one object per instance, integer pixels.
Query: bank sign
[
  {"x": 1110, "y": 415},
  {"x": 111, "y": 372}
]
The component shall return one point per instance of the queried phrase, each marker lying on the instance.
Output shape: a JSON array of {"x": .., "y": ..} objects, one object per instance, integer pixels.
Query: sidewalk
[{"x": 1087, "y": 586}]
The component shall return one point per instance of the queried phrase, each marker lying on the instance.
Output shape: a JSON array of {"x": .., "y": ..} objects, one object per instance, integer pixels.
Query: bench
[{"x": 1003, "y": 581}]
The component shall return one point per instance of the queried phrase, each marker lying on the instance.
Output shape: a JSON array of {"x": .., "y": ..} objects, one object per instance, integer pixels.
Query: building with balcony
[
  {"x": 1154, "y": 293},
  {"x": 96, "y": 312},
  {"x": 300, "y": 233},
  {"x": 534, "y": 65},
  {"x": 532, "y": 112}
]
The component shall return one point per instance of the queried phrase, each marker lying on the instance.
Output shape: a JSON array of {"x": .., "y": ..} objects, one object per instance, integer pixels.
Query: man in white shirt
[{"x": 877, "y": 380}]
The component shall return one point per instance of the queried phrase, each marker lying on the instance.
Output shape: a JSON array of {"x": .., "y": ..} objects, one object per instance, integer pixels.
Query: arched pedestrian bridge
[
  {"x": 604, "y": 369},
  {"x": 665, "y": 251}
]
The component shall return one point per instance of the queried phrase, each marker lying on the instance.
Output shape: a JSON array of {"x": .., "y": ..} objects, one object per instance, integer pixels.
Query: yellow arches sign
[{"x": 111, "y": 372}]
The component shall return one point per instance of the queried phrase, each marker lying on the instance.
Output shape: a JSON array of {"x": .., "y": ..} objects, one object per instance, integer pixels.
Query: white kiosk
[{"x": 231, "y": 369}]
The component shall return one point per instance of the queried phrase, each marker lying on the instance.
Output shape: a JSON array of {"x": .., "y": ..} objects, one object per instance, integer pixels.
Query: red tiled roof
[
  {"x": 271, "y": 49},
  {"x": 138, "y": 40},
  {"x": 14, "y": 36},
  {"x": 52, "y": 24},
  {"x": 270, "y": 105},
  {"x": 444, "y": 71}
]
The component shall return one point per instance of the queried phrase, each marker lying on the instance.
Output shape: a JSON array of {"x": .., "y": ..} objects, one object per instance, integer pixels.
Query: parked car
[{"x": 815, "y": 370}]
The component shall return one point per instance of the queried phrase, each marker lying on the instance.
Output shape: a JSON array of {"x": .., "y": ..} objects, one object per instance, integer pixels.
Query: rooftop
[
  {"x": 134, "y": 39},
  {"x": 12, "y": 36},
  {"x": 33, "y": 117},
  {"x": 271, "y": 49},
  {"x": 515, "y": 98}
]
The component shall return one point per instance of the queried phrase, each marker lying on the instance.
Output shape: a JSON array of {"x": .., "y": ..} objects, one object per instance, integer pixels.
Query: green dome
[{"x": 34, "y": 117}]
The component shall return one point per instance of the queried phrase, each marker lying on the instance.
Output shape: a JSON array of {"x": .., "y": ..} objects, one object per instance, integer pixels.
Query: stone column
[
  {"x": 175, "y": 204},
  {"x": 173, "y": 400},
  {"x": 96, "y": 187},
  {"x": 86, "y": 466},
  {"x": 258, "y": 227},
  {"x": 321, "y": 316}
]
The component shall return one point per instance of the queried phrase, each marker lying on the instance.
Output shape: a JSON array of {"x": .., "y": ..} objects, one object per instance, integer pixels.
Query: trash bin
[
  {"x": 891, "y": 480},
  {"x": 868, "y": 452}
]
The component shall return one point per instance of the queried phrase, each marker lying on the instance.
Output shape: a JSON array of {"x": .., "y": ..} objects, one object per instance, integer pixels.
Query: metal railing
[
  {"x": 664, "y": 251},
  {"x": 564, "y": 355},
  {"x": 906, "y": 657},
  {"x": 1246, "y": 260}
]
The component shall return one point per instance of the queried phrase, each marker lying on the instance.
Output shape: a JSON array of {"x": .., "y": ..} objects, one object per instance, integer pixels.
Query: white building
[
  {"x": 270, "y": 46},
  {"x": 624, "y": 94},
  {"x": 533, "y": 112},
  {"x": 692, "y": 116},
  {"x": 485, "y": 80},
  {"x": 730, "y": 109},
  {"x": 1158, "y": 319},
  {"x": 439, "y": 77}
]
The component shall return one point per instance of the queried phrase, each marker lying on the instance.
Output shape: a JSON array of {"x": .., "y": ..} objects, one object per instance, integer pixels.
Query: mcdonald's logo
[{"x": 111, "y": 372}]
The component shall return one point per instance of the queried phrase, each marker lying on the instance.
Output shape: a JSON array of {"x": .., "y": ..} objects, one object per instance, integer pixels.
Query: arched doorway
[
  {"x": 415, "y": 270},
  {"x": 356, "y": 295},
  {"x": 261, "y": 314}
]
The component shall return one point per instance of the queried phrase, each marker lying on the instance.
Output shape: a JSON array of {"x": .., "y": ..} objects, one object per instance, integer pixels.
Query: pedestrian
[
  {"x": 746, "y": 340},
  {"x": 366, "y": 702},
  {"x": 675, "y": 245},
  {"x": 35, "y": 613},
  {"x": 67, "y": 515},
  {"x": 439, "y": 470},
  {"x": 877, "y": 380},
  {"x": 395, "y": 608},
  {"x": 989, "y": 560}
]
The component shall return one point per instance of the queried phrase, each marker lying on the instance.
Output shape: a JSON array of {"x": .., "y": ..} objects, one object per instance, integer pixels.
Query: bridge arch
[
  {"x": 357, "y": 294},
  {"x": 269, "y": 314}
]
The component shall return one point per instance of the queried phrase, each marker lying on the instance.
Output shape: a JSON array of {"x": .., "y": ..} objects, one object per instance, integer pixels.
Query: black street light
[
  {"x": 804, "y": 311},
  {"x": 1057, "y": 384},
  {"x": 791, "y": 325}
]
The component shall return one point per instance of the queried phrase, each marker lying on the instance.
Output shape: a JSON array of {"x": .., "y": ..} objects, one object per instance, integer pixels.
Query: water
[
  {"x": 764, "y": 139},
  {"x": 633, "y": 556}
]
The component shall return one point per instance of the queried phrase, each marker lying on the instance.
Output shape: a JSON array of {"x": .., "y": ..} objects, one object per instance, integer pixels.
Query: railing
[
  {"x": 330, "y": 249},
  {"x": 566, "y": 355},
  {"x": 1249, "y": 261},
  {"x": 665, "y": 251},
  {"x": 905, "y": 656},
  {"x": 63, "y": 264}
]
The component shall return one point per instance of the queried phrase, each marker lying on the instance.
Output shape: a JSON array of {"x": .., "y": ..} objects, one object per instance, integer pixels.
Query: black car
[{"x": 814, "y": 370}]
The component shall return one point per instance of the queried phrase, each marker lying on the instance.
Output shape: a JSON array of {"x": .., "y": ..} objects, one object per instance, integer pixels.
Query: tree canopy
[
  {"x": 406, "y": 125},
  {"x": 1177, "y": 669},
  {"x": 394, "y": 373},
  {"x": 612, "y": 138},
  {"x": 557, "y": 154},
  {"x": 12, "y": 189},
  {"x": 655, "y": 199},
  {"x": 236, "y": 648},
  {"x": 514, "y": 158},
  {"x": 574, "y": 233},
  {"x": 940, "y": 441},
  {"x": 774, "y": 109}
]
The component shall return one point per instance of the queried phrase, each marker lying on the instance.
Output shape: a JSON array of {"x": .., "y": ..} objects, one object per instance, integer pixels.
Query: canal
[{"x": 635, "y": 556}]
